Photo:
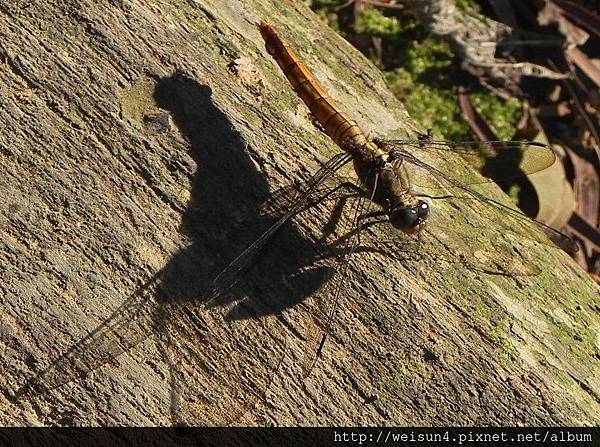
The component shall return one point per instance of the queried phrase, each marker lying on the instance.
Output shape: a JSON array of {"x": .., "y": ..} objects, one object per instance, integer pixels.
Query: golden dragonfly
[
  {"x": 400, "y": 178},
  {"x": 388, "y": 171}
]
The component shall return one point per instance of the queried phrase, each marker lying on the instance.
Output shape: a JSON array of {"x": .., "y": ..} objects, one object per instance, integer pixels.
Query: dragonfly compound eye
[
  {"x": 410, "y": 220},
  {"x": 422, "y": 209}
]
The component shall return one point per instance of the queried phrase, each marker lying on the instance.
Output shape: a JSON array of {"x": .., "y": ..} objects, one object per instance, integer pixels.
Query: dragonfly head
[{"x": 410, "y": 219}]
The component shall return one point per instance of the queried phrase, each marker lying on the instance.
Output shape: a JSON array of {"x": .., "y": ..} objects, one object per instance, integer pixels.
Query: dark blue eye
[
  {"x": 404, "y": 218},
  {"x": 422, "y": 209},
  {"x": 409, "y": 220}
]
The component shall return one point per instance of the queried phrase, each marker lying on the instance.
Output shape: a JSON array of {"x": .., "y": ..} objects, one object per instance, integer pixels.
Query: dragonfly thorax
[{"x": 387, "y": 186}]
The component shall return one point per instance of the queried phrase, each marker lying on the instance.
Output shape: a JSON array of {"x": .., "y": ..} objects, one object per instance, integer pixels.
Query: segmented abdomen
[{"x": 337, "y": 125}]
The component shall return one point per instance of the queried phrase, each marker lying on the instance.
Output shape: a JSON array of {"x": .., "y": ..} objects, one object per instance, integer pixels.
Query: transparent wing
[
  {"x": 306, "y": 194},
  {"x": 460, "y": 225},
  {"x": 335, "y": 188},
  {"x": 129, "y": 325},
  {"x": 256, "y": 348},
  {"x": 467, "y": 229},
  {"x": 218, "y": 370},
  {"x": 221, "y": 353},
  {"x": 325, "y": 314},
  {"x": 496, "y": 160}
]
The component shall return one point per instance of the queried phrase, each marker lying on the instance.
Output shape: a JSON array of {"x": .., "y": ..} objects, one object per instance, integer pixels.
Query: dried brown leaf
[{"x": 585, "y": 64}]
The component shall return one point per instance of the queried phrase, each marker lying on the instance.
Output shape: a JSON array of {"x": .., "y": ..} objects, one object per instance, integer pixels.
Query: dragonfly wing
[
  {"x": 243, "y": 343},
  {"x": 260, "y": 344},
  {"x": 331, "y": 296},
  {"x": 129, "y": 325},
  {"x": 469, "y": 160},
  {"x": 218, "y": 370},
  {"x": 480, "y": 244},
  {"x": 220, "y": 366},
  {"x": 334, "y": 188},
  {"x": 307, "y": 192}
]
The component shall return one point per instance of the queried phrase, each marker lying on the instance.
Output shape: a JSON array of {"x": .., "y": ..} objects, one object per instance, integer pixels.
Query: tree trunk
[{"x": 139, "y": 142}]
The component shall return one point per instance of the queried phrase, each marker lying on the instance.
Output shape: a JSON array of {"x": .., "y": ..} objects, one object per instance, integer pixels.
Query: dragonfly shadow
[
  {"x": 223, "y": 216},
  {"x": 221, "y": 219}
]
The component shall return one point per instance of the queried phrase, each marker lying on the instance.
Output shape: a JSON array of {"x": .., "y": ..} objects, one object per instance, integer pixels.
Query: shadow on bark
[{"x": 221, "y": 219}]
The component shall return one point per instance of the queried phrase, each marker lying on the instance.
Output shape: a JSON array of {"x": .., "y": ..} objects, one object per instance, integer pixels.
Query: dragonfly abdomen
[{"x": 336, "y": 124}]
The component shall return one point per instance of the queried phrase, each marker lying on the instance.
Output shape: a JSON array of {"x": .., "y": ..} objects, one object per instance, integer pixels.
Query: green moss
[
  {"x": 373, "y": 22},
  {"x": 466, "y": 5},
  {"x": 430, "y": 107},
  {"x": 514, "y": 192},
  {"x": 75, "y": 118},
  {"x": 426, "y": 82},
  {"x": 496, "y": 323},
  {"x": 422, "y": 71},
  {"x": 571, "y": 335},
  {"x": 499, "y": 335},
  {"x": 501, "y": 115},
  {"x": 329, "y": 11}
]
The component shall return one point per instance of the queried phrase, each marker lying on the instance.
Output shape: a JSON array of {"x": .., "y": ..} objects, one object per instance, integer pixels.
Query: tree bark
[{"x": 139, "y": 142}]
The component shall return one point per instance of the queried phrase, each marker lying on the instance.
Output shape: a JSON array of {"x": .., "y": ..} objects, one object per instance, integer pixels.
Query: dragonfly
[
  {"x": 389, "y": 172},
  {"x": 399, "y": 182}
]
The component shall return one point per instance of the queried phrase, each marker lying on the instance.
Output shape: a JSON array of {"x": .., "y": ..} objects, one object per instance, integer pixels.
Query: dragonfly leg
[
  {"x": 346, "y": 185},
  {"x": 337, "y": 212},
  {"x": 315, "y": 122},
  {"x": 363, "y": 222},
  {"x": 321, "y": 344},
  {"x": 428, "y": 196},
  {"x": 372, "y": 214}
]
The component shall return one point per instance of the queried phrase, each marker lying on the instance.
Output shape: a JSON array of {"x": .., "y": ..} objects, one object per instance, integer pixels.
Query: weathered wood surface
[{"x": 137, "y": 141}]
